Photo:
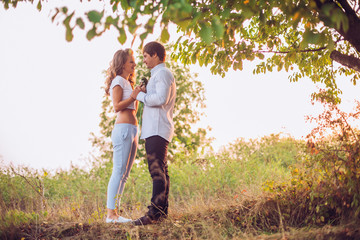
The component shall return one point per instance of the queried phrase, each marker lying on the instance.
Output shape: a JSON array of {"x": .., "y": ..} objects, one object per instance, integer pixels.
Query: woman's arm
[{"x": 118, "y": 103}]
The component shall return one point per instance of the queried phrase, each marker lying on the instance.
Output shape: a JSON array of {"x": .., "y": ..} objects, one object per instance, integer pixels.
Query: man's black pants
[{"x": 156, "y": 150}]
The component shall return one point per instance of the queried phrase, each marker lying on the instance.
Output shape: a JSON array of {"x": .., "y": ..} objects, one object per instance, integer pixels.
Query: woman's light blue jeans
[{"x": 124, "y": 138}]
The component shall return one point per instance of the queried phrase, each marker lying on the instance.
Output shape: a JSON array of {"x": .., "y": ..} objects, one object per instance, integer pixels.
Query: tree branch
[
  {"x": 27, "y": 180},
  {"x": 302, "y": 51},
  {"x": 348, "y": 9},
  {"x": 346, "y": 60}
]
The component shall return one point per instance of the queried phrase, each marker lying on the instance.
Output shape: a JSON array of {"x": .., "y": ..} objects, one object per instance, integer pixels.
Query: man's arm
[{"x": 161, "y": 96}]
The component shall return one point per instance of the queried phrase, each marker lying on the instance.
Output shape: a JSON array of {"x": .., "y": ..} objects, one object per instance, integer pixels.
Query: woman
[{"x": 119, "y": 85}]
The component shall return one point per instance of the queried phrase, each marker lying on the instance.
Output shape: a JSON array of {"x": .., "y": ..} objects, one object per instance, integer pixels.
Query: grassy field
[{"x": 269, "y": 188}]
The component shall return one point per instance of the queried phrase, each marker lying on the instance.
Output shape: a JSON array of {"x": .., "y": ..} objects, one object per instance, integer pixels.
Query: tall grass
[{"x": 199, "y": 186}]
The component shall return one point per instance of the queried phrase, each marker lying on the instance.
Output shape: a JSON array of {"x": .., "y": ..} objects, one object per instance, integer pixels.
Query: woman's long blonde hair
[{"x": 116, "y": 68}]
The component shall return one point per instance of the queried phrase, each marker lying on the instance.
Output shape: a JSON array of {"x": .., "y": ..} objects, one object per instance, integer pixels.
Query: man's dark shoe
[{"x": 145, "y": 220}]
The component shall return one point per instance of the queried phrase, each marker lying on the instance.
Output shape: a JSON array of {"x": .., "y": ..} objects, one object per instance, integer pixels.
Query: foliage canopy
[{"x": 303, "y": 36}]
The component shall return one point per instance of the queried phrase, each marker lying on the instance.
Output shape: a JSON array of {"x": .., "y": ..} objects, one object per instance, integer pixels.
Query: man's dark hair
[{"x": 154, "y": 47}]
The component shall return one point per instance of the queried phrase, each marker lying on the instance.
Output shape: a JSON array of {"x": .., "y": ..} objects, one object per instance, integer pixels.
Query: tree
[
  {"x": 305, "y": 36},
  {"x": 189, "y": 102}
]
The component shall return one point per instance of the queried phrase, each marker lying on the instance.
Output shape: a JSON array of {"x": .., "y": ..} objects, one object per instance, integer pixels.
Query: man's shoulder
[{"x": 164, "y": 71}]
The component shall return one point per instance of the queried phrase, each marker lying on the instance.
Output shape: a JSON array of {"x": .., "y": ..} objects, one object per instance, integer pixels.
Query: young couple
[{"x": 157, "y": 128}]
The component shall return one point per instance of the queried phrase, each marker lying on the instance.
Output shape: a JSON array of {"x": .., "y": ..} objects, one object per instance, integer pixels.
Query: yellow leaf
[{"x": 296, "y": 16}]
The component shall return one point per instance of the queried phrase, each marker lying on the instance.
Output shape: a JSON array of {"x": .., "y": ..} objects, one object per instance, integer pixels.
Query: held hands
[
  {"x": 136, "y": 91},
  {"x": 143, "y": 84},
  {"x": 143, "y": 88}
]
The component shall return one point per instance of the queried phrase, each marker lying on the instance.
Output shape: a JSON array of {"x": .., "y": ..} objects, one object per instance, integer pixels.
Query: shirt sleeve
[
  {"x": 163, "y": 82},
  {"x": 117, "y": 81}
]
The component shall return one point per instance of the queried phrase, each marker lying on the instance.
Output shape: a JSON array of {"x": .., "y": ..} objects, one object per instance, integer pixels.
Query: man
[{"x": 157, "y": 127}]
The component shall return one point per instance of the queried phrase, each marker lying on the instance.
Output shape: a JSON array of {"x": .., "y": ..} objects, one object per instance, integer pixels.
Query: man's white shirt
[{"x": 159, "y": 101}]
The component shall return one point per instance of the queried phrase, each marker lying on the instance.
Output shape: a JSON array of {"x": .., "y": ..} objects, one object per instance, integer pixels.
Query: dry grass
[
  {"x": 222, "y": 198},
  {"x": 242, "y": 218}
]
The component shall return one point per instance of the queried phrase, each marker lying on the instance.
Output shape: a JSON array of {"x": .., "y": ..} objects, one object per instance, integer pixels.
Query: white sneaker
[
  {"x": 110, "y": 220},
  {"x": 123, "y": 220},
  {"x": 119, "y": 220}
]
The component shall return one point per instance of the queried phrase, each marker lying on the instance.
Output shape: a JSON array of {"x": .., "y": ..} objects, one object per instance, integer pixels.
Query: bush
[{"x": 324, "y": 186}]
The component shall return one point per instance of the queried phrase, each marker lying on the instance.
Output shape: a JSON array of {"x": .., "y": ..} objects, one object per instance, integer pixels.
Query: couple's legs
[
  {"x": 156, "y": 150},
  {"x": 125, "y": 141}
]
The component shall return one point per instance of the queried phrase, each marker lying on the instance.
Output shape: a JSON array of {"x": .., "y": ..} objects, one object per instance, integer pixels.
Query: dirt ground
[{"x": 112, "y": 231}]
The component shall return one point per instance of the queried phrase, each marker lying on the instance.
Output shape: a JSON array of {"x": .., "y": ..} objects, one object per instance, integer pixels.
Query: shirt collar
[{"x": 156, "y": 68}]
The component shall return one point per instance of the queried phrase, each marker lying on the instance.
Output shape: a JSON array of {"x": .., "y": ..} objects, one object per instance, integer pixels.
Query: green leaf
[
  {"x": 150, "y": 25},
  {"x": 124, "y": 5},
  {"x": 164, "y": 35},
  {"x": 122, "y": 37},
  {"x": 132, "y": 3},
  {"x": 240, "y": 65},
  {"x": 235, "y": 66},
  {"x": 250, "y": 56},
  {"x": 218, "y": 27},
  {"x": 309, "y": 37},
  {"x": 91, "y": 33},
  {"x": 186, "y": 7},
  {"x": 69, "y": 34},
  {"x": 67, "y": 20},
  {"x": 115, "y": 6},
  {"x": 270, "y": 44},
  {"x": 39, "y": 6},
  {"x": 326, "y": 9},
  {"x": 225, "y": 13},
  {"x": 95, "y": 16},
  {"x": 340, "y": 20},
  {"x": 143, "y": 36},
  {"x": 109, "y": 20},
  {"x": 184, "y": 24},
  {"x": 132, "y": 26},
  {"x": 64, "y": 10},
  {"x": 147, "y": 10},
  {"x": 80, "y": 23},
  {"x": 247, "y": 12},
  {"x": 331, "y": 44},
  {"x": 260, "y": 56},
  {"x": 193, "y": 58},
  {"x": 291, "y": 56},
  {"x": 206, "y": 33}
]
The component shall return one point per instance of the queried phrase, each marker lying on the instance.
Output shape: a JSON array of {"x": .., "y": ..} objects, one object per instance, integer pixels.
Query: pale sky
[{"x": 50, "y": 96}]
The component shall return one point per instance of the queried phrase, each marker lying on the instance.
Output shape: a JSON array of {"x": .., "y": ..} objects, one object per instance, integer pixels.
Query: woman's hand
[{"x": 135, "y": 92}]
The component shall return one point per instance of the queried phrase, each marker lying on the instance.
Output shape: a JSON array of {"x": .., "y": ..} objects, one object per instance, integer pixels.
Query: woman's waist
[{"x": 126, "y": 116}]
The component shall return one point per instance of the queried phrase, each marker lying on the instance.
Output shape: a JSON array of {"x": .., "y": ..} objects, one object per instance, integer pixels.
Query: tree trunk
[{"x": 346, "y": 60}]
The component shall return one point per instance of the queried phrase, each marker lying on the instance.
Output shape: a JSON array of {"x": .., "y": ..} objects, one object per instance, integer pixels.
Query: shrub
[{"x": 325, "y": 185}]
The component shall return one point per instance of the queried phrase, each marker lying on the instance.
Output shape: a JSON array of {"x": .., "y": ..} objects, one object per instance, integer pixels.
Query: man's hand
[{"x": 143, "y": 88}]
